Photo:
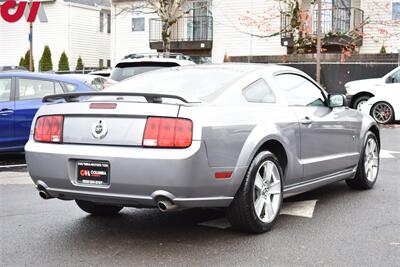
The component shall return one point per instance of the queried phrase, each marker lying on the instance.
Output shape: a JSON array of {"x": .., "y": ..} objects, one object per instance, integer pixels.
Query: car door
[
  {"x": 29, "y": 96},
  {"x": 326, "y": 140},
  {"x": 7, "y": 107}
]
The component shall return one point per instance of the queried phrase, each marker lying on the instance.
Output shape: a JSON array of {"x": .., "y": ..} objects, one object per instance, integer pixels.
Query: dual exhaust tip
[{"x": 163, "y": 204}]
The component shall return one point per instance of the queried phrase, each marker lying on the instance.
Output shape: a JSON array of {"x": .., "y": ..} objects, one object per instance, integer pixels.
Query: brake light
[
  {"x": 168, "y": 132},
  {"x": 49, "y": 129}
]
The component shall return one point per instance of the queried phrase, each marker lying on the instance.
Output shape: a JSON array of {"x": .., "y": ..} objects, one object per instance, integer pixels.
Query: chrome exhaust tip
[
  {"x": 43, "y": 194},
  {"x": 166, "y": 205}
]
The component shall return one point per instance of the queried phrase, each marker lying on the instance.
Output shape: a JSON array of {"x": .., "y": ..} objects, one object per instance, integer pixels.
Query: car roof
[
  {"x": 82, "y": 77},
  {"x": 39, "y": 75},
  {"x": 244, "y": 68},
  {"x": 179, "y": 59}
]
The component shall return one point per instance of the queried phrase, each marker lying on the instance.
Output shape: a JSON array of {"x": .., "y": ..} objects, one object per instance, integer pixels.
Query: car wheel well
[
  {"x": 276, "y": 148},
  {"x": 375, "y": 130},
  {"x": 360, "y": 94}
]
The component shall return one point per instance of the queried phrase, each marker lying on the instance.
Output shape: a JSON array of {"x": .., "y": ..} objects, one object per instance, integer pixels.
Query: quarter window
[
  {"x": 71, "y": 87},
  {"x": 5, "y": 89},
  {"x": 299, "y": 91},
  {"x": 259, "y": 92},
  {"x": 34, "y": 89}
]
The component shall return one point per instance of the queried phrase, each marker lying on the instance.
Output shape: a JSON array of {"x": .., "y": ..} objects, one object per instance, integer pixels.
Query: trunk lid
[{"x": 122, "y": 125}]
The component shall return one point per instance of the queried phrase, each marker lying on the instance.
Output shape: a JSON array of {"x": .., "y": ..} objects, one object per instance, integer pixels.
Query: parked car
[
  {"x": 104, "y": 73},
  {"x": 135, "y": 64},
  {"x": 12, "y": 68},
  {"x": 360, "y": 91},
  {"x": 234, "y": 136},
  {"x": 384, "y": 108},
  {"x": 95, "y": 81},
  {"x": 21, "y": 95}
]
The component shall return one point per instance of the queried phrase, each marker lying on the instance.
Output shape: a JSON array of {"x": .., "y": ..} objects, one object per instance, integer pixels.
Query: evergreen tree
[
  {"x": 383, "y": 50},
  {"x": 26, "y": 61},
  {"x": 22, "y": 62},
  {"x": 46, "y": 63},
  {"x": 63, "y": 64},
  {"x": 79, "y": 64}
]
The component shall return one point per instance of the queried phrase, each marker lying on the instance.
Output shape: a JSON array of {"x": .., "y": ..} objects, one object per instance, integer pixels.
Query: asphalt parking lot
[{"x": 336, "y": 227}]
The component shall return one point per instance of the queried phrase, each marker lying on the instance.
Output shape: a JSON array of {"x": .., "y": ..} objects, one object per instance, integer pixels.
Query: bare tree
[{"x": 169, "y": 12}]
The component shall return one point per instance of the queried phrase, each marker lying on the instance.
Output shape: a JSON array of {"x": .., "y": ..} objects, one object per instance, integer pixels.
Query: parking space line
[
  {"x": 12, "y": 166},
  {"x": 298, "y": 208}
]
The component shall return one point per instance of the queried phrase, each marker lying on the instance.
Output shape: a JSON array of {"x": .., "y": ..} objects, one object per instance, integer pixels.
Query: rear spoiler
[{"x": 74, "y": 97}]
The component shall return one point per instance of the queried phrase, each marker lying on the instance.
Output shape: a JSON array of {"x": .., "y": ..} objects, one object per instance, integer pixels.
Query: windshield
[
  {"x": 128, "y": 69},
  {"x": 191, "y": 83}
]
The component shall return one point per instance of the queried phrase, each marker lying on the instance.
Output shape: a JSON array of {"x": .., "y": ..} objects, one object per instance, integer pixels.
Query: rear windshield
[
  {"x": 202, "y": 84},
  {"x": 128, "y": 69}
]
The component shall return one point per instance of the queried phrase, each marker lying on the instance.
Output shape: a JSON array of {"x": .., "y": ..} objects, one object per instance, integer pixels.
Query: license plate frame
[{"x": 93, "y": 172}]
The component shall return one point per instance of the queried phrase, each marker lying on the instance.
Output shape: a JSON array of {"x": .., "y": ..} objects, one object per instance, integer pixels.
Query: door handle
[
  {"x": 306, "y": 121},
  {"x": 6, "y": 111}
]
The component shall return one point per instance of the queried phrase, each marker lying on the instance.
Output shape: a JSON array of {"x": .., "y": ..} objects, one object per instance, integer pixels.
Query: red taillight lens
[
  {"x": 49, "y": 129},
  {"x": 168, "y": 132}
]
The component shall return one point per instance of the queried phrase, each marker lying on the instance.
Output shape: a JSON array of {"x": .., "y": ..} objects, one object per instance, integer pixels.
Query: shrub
[
  {"x": 79, "y": 64},
  {"x": 46, "y": 63},
  {"x": 63, "y": 63}
]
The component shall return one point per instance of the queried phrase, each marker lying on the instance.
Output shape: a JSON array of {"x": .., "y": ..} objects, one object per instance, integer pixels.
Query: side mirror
[{"x": 336, "y": 101}]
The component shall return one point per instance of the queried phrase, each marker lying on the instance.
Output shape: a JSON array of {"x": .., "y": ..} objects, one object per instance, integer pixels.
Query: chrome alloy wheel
[
  {"x": 267, "y": 191},
  {"x": 382, "y": 112},
  {"x": 371, "y": 160}
]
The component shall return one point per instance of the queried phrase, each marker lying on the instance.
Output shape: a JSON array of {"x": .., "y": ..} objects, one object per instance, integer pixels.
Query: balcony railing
[
  {"x": 186, "y": 29},
  {"x": 333, "y": 20}
]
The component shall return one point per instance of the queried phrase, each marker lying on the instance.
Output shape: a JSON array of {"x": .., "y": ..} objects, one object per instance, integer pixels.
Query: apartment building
[{"x": 213, "y": 29}]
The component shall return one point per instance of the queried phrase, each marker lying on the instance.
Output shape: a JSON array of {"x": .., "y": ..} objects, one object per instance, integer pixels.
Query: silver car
[{"x": 236, "y": 136}]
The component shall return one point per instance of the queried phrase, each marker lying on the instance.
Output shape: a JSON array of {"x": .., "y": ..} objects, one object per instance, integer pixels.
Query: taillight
[
  {"x": 49, "y": 129},
  {"x": 168, "y": 132}
]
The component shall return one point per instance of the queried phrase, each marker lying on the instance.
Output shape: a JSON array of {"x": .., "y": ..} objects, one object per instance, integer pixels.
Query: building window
[
  {"x": 101, "y": 63},
  {"x": 396, "y": 10},
  {"x": 108, "y": 23},
  {"x": 137, "y": 24},
  {"x": 108, "y": 63},
  {"x": 101, "y": 22}
]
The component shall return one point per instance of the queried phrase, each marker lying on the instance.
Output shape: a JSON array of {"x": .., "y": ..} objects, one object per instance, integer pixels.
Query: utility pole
[
  {"x": 30, "y": 42},
  {"x": 319, "y": 33}
]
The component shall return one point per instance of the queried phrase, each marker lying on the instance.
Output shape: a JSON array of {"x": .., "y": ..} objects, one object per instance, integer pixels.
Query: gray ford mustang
[{"x": 235, "y": 136}]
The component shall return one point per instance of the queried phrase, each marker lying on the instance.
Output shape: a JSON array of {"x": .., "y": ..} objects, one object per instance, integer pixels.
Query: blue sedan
[{"x": 21, "y": 96}]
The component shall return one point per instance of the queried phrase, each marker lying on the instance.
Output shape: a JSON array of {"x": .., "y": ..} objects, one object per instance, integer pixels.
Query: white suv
[
  {"x": 358, "y": 92},
  {"x": 135, "y": 64}
]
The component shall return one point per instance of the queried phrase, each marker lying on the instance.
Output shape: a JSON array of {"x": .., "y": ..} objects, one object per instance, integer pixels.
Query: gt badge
[{"x": 99, "y": 129}]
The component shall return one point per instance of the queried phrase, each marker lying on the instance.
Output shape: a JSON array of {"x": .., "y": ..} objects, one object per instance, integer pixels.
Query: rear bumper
[{"x": 138, "y": 177}]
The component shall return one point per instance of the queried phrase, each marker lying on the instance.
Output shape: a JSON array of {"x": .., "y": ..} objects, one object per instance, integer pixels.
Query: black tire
[
  {"x": 241, "y": 213},
  {"x": 98, "y": 209},
  {"x": 379, "y": 119},
  {"x": 361, "y": 181},
  {"x": 359, "y": 99}
]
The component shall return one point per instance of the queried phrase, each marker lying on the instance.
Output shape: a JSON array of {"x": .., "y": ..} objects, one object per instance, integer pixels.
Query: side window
[
  {"x": 394, "y": 78},
  {"x": 58, "y": 88},
  {"x": 259, "y": 92},
  {"x": 5, "y": 89},
  {"x": 299, "y": 91},
  {"x": 70, "y": 87},
  {"x": 34, "y": 89}
]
